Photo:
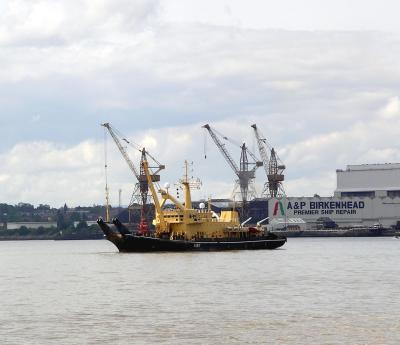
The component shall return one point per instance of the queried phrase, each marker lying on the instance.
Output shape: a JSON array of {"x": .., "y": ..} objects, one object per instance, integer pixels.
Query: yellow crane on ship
[{"x": 185, "y": 222}]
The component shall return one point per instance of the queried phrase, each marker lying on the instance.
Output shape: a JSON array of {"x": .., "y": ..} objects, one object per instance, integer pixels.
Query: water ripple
[{"x": 316, "y": 291}]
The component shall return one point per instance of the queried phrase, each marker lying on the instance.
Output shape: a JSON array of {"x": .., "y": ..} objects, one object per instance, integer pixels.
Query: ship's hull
[{"x": 134, "y": 243}]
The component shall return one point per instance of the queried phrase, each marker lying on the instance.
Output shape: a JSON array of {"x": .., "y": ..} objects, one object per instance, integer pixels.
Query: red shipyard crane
[
  {"x": 141, "y": 191},
  {"x": 273, "y": 167},
  {"x": 245, "y": 171}
]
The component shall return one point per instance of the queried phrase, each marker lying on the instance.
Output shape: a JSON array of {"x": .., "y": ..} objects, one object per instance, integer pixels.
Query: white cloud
[
  {"x": 312, "y": 15},
  {"x": 370, "y": 141},
  {"x": 44, "y": 38},
  {"x": 50, "y": 23},
  {"x": 392, "y": 109},
  {"x": 324, "y": 99},
  {"x": 322, "y": 183},
  {"x": 45, "y": 172},
  {"x": 4, "y": 178},
  {"x": 39, "y": 156}
]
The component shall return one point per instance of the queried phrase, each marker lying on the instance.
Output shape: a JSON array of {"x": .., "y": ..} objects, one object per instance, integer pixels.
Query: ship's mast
[
  {"x": 105, "y": 173},
  {"x": 188, "y": 184}
]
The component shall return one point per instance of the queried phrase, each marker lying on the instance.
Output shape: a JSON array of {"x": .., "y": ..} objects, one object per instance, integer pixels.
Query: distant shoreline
[{"x": 52, "y": 238}]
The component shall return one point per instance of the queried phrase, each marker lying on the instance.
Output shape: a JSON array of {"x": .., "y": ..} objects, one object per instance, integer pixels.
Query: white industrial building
[
  {"x": 366, "y": 195},
  {"x": 30, "y": 225},
  {"x": 369, "y": 180}
]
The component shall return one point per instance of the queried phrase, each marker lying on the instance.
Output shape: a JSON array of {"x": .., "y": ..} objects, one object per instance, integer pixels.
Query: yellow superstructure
[{"x": 185, "y": 222}]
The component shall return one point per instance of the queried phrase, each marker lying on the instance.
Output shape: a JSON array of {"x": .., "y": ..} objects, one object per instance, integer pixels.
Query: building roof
[
  {"x": 287, "y": 221},
  {"x": 384, "y": 166}
]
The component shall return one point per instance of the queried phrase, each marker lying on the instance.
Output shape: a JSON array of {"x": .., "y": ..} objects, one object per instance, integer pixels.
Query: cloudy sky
[{"x": 320, "y": 79}]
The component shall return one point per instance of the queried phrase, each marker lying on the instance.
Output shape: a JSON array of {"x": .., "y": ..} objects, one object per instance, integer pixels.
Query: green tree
[
  {"x": 23, "y": 231},
  {"x": 82, "y": 225}
]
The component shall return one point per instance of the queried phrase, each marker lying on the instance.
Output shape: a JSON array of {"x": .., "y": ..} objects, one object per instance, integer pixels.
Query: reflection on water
[{"x": 312, "y": 291}]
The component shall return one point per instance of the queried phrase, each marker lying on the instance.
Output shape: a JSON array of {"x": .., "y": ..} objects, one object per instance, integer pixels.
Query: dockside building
[{"x": 366, "y": 195}]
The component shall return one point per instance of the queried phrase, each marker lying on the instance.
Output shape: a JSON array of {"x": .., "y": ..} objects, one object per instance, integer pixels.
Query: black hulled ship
[{"x": 185, "y": 228}]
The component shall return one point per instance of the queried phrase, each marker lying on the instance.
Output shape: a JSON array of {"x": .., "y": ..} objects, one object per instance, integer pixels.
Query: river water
[{"x": 312, "y": 291}]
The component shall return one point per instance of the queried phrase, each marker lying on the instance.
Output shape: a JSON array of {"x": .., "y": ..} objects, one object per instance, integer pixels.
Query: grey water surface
[{"x": 312, "y": 291}]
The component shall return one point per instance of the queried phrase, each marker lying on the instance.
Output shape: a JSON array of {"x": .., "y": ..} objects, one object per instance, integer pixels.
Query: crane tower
[
  {"x": 141, "y": 191},
  {"x": 273, "y": 167}
]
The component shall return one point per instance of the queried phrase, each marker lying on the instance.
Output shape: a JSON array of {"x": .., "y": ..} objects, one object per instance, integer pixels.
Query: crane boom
[
  {"x": 122, "y": 150},
  {"x": 261, "y": 148},
  {"x": 240, "y": 146},
  {"x": 223, "y": 150}
]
